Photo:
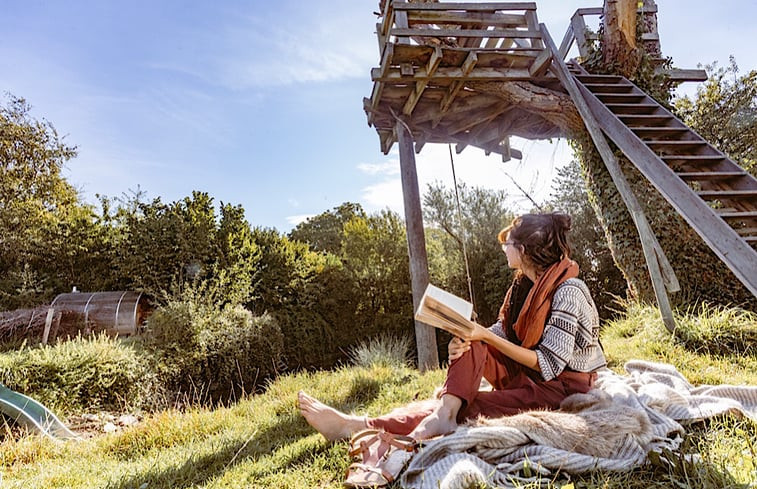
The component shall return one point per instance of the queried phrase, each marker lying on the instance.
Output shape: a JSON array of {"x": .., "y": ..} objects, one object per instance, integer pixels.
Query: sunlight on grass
[{"x": 263, "y": 442}]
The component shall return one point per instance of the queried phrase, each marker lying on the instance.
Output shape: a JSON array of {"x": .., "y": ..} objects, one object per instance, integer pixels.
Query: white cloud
[
  {"x": 295, "y": 220},
  {"x": 391, "y": 167},
  {"x": 381, "y": 195},
  {"x": 534, "y": 174}
]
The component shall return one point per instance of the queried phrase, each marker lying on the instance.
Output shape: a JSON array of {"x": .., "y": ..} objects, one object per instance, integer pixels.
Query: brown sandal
[{"x": 382, "y": 458}]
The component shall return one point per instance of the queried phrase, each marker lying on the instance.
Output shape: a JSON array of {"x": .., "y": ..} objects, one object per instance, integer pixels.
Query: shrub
[
  {"x": 383, "y": 351},
  {"x": 99, "y": 373},
  {"x": 213, "y": 353}
]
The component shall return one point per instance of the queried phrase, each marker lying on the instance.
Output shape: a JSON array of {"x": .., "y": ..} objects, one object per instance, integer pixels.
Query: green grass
[{"x": 262, "y": 442}]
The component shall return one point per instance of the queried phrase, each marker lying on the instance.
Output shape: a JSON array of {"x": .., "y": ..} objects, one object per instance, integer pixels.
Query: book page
[{"x": 446, "y": 311}]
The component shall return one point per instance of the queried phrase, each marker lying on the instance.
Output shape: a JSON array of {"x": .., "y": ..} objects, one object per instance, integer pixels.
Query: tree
[
  {"x": 35, "y": 200},
  {"x": 324, "y": 231},
  {"x": 165, "y": 246},
  {"x": 724, "y": 112},
  {"x": 484, "y": 214}
]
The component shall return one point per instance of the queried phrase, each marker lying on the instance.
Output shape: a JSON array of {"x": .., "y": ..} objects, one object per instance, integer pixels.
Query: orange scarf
[{"x": 529, "y": 326}]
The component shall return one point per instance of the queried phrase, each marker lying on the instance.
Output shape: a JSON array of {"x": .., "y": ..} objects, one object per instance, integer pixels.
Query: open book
[{"x": 446, "y": 311}]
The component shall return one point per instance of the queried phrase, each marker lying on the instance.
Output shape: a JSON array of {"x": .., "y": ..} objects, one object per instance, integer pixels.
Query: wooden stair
[{"x": 716, "y": 196}]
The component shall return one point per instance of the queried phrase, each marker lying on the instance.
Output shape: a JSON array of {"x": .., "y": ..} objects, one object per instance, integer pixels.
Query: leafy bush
[
  {"x": 213, "y": 353},
  {"x": 100, "y": 373}
]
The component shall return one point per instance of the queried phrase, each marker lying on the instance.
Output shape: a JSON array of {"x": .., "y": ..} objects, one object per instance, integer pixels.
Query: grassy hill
[{"x": 262, "y": 441}]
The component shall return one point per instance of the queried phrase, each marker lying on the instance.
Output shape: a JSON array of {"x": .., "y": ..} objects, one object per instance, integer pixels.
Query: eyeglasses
[{"x": 508, "y": 242}]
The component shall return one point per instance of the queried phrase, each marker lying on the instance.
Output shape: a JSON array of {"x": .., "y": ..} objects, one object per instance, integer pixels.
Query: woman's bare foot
[
  {"x": 440, "y": 422},
  {"x": 329, "y": 422}
]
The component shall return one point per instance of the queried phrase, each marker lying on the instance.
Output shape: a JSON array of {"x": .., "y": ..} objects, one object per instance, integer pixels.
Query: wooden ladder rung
[
  {"x": 726, "y": 194},
  {"x": 750, "y": 239},
  {"x": 644, "y": 119},
  {"x": 733, "y": 214},
  {"x": 694, "y": 158},
  {"x": 598, "y": 78},
  {"x": 598, "y": 88},
  {"x": 609, "y": 98},
  {"x": 747, "y": 231},
  {"x": 631, "y": 108},
  {"x": 710, "y": 175},
  {"x": 650, "y": 131},
  {"x": 675, "y": 143}
]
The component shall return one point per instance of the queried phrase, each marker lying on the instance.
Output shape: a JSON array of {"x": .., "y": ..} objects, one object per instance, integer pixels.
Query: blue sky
[{"x": 260, "y": 103}]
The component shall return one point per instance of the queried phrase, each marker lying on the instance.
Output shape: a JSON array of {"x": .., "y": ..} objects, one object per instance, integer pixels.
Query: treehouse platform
[{"x": 474, "y": 74}]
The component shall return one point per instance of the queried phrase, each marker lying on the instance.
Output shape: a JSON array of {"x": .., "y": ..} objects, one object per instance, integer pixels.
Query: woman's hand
[{"x": 456, "y": 348}]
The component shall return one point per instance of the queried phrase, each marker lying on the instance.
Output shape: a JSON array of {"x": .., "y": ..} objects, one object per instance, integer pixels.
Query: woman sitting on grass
[{"x": 544, "y": 347}]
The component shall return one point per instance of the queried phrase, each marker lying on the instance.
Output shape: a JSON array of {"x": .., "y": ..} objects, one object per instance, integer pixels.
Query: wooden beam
[
  {"x": 403, "y": 33},
  {"x": 684, "y": 75},
  {"x": 579, "y": 33},
  {"x": 476, "y": 117},
  {"x": 652, "y": 250},
  {"x": 420, "y": 86},
  {"x": 533, "y": 25},
  {"x": 567, "y": 42},
  {"x": 452, "y": 74},
  {"x": 468, "y": 7},
  {"x": 381, "y": 40},
  {"x": 466, "y": 18},
  {"x": 540, "y": 64},
  {"x": 400, "y": 20},
  {"x": 425, "y": 335},
  {"x": 468, "y": 65}
]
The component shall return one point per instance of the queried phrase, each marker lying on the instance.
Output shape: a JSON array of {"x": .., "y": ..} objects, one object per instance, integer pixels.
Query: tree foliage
[
  {"x": 483, "y": 214},
  {"x": 724, "y": 112},
  {"x": 323, "y": 232},
  {"x": 38, "y": 207}
]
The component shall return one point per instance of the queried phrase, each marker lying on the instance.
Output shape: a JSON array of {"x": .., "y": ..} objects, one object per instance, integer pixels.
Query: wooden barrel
[{"x": 119, "y": 313}]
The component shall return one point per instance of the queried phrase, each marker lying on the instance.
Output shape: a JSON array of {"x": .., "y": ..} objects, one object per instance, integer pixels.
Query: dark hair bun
[{"x": 562, "y": 221}]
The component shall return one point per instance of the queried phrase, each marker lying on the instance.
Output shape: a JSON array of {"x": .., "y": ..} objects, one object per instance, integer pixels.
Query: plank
[
  {"x": 420, "y": 86},
  {"x": 466, "y": 18},
  {"x": 567, "y": 42},
  {"x": 468, "y": 66},
  {"x": 540, "y": 64},
  {"x": 469, "y": 7},
  {"x": 579, "y": 33},
  {"x": 726, "y": 194},
  {"x": 477, "y": 74},
  {"x": 590, "y": 11},
  {"x": 683, "y": 75},
  {"x": 533, "y": 25},
  {"x": 381, "y": 39},
  {"x": 710, "y": 175},
  {"x": 403, "y": 32},
  {"x": 400, "y": 20}
]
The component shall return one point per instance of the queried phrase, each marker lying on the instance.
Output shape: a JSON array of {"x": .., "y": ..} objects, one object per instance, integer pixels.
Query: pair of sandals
[{"x": 381, "y": 457}]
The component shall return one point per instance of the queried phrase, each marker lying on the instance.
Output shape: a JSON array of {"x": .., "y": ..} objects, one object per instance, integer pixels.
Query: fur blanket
[{"x": 612, "y": 427}]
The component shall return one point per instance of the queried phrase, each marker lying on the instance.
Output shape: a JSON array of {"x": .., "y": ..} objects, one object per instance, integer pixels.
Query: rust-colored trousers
[{"x": 516, "y": 389}]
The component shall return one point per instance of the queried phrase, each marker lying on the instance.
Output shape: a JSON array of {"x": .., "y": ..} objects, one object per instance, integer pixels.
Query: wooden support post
[
  {"x": 578, "y": 26},
  {"x": 425, "y": 335},
  {"x": 650, "y": 246}
]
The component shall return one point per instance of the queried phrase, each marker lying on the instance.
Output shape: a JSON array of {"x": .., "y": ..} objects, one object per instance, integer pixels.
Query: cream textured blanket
[{"x": 612, "y": 427}]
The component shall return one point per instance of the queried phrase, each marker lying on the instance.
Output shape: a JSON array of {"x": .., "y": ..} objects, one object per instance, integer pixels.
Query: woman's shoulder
[{"x": 573, "y": 289}]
